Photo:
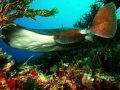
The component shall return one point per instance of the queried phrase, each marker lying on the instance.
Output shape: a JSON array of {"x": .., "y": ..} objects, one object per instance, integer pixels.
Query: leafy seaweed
[
  {"x": 30, "y": 84},
  {"x": 12, "y": 9}
]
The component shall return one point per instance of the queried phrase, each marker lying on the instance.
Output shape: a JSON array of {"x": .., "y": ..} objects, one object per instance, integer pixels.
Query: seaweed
[
  {"x": 3, "y": 59},
  {"x": 30, "y": 84},
  {"x": 105, "y": 58},
  {"x": 12, "y": 9},
  {"x": 68, "y": 77}
]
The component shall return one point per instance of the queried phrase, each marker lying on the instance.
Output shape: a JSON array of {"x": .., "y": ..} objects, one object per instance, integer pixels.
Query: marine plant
[
  {"x": 30, "y": 84},
  {"x": 67, "y": 76},
  {"x": 71, "y": 78},
  {"x": 106, "y": 58},
  {"x": 12, "y": 9},
  {"x": 4, "y": 58},
  {"x": 11, "y": 75}
]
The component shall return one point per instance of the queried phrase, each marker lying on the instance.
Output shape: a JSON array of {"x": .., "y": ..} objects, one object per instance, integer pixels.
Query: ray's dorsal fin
[{"x": 105, "y": 23}]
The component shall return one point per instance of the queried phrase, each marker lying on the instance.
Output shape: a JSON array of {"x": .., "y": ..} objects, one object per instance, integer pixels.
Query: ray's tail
[{"x": 105, "y": 22}]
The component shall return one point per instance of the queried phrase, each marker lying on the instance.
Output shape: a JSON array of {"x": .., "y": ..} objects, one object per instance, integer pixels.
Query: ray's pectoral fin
[
  {"x": 69, "y": 36},
  {"x": 105, "y": 23}
]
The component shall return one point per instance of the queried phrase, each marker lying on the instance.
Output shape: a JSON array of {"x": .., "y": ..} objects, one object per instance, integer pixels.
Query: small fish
[{"x": 37, "y": 40}]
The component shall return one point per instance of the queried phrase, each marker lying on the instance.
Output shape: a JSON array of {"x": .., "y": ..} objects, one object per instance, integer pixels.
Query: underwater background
[{"x": 91, "y": 66}]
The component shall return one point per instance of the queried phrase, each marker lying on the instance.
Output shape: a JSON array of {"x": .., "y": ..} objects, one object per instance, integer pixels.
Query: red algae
[{"x": 66, "y": 79}]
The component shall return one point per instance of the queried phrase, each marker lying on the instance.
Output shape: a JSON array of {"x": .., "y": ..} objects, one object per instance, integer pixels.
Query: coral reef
[{"x": 65, "y": 77}]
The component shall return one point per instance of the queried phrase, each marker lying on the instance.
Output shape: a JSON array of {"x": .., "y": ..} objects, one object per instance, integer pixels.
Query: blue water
[{"x": 70, "y": 11}]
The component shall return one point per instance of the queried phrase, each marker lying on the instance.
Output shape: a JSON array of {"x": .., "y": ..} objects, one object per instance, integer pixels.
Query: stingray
[{"x": 37, "y": 40}]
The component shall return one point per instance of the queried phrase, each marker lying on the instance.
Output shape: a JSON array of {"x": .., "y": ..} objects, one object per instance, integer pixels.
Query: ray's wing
[
  {"x": 69, "y": 36},
  {"x": 48, "y": 32},
  {"x": 105, "y": 23},
  {"x": 63, "y": 35}
]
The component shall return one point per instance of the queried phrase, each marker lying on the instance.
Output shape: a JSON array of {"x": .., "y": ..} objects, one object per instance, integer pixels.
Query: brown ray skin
[
  {"x": 69, "y": 36},
  {"x": 105, "y": 23}
]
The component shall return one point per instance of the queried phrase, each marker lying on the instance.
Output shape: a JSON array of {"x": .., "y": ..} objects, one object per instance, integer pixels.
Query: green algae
[
  {"x": 3, "y": 59},
  {"x": 30, "y": 84}
]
